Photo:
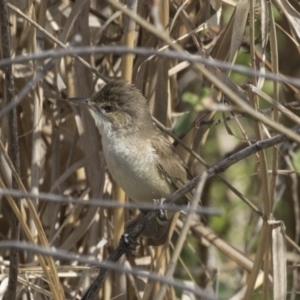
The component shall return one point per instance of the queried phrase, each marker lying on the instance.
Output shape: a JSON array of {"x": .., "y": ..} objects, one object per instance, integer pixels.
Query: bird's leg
[{"x": 162, "y": 213}]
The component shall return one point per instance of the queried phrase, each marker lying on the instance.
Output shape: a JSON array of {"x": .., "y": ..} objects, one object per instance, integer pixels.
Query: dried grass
[{"x": 242, "y": 254}]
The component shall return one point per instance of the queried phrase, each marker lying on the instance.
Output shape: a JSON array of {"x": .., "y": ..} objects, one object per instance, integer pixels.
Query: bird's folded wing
[{"x": 170, "y": 163}]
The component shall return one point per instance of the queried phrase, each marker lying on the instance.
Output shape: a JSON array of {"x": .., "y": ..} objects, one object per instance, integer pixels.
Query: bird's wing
[{"x": 170, "y": 163}]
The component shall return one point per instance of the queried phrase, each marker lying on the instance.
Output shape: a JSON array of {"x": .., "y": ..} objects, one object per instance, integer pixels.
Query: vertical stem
[
  {"x": 38, "y": 44},
  {"x": 275, "y": 69},
  {"x": 129, "y": 40},
  {"x": 13, "y": 148},
  {"x": 263, "y": 247}
]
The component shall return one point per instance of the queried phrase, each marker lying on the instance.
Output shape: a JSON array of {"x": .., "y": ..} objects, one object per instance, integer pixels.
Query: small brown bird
[{"x": 138, "y": 156}]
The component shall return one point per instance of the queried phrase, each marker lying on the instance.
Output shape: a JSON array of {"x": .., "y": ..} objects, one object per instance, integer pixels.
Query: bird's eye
[{"x": 108, "y": 108}]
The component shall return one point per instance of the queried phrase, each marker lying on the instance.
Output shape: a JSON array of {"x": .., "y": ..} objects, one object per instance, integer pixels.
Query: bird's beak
[{"x": 80, "y": 101}]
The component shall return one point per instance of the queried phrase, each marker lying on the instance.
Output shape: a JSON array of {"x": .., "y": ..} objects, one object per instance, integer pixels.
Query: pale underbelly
[{"x": 142, "y": 183}]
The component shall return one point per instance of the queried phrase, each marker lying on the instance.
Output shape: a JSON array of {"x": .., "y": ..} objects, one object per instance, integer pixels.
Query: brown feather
[{"x": 170, "y": 163}]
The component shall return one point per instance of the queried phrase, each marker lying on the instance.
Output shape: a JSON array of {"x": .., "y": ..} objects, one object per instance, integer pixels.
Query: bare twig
[
  {"x": 57, "y": 53},
  {"x": 69, "y": 256}
]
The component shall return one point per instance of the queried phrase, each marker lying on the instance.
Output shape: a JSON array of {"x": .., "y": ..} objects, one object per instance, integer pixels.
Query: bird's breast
[{"x": 133, "y": 166}]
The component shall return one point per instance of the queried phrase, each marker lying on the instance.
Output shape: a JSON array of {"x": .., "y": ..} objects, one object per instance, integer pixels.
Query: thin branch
[
  {"x": 84, "y": 259},
  {"x": 226, "y": 163},
  {"x": 102, "y": 203},
  {"x": 147, "y": 52}
]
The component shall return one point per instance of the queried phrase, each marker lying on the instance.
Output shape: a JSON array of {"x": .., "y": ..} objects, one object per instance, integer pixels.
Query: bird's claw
[
  {"x": 129, "y": 243},
  {"x": 162, "y": 213}
]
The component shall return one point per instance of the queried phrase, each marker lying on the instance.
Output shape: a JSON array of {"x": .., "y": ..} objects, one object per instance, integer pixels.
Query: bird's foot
[
  {"x": 129, "y": 243},
  {"x": 162, "y": 213}
]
